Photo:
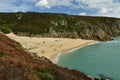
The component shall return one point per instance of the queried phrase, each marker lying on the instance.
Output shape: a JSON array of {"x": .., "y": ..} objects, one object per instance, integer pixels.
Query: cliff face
[
  {"x": 61, "y": 25},
  {"x": 101, "y": 28},
  {"x": 16, "y": 64}
]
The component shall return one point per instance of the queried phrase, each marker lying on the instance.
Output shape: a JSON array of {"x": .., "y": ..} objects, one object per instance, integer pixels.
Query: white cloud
[
  {"x": 90, "y": 7},
  {"x": 100, "y": 7},
  {"x": 53, "y": 3},
  {"x": 112, "y": 12},
  {"x": 93, "y": 3},
  {"x": 43, "y": 4},
  {"x": 104, "y": 10},
  {"x": 83, "y": 13}
]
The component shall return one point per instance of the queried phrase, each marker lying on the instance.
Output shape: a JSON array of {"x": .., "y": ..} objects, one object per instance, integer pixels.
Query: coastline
[
  {"x": 71, "y": 50},
  {"x": 51, "y": 48}
]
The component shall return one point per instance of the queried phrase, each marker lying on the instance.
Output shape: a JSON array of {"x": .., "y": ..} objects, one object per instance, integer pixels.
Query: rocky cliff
[
  {"x": 60, "y": 25},
  {"x": 17, "y": 64}
]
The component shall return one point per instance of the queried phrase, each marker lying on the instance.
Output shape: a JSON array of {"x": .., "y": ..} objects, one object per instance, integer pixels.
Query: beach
[{"x": 51, "y": 48}]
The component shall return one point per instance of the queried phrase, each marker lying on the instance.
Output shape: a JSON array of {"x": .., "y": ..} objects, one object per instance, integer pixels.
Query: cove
[{"x": 98, "y": 60}]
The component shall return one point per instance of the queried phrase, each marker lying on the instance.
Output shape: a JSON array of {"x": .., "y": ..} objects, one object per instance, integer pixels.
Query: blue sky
[{"x": 109, "y": 8}]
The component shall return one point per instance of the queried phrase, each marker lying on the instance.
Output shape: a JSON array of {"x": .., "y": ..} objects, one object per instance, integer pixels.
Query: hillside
[
  {"x": 17, "y": 64},
  {"x": 60, "y": 25}
]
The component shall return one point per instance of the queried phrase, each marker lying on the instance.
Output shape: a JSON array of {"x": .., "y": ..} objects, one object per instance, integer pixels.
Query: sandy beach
[{"x": 51, "y": 48}]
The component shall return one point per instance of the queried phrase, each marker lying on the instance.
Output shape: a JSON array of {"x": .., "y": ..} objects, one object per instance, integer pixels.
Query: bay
[{"x": 98, "y": 60}]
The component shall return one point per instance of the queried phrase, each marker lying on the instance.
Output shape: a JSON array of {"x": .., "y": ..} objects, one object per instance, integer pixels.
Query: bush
[
  {"x": 4, "y": 29},
  {"x": 42, "y": 75}
]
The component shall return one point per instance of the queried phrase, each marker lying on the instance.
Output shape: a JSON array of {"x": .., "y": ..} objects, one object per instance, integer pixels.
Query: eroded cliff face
[
  {"x": 61, "y": 25},
  {"x": 17, "y": 64}
]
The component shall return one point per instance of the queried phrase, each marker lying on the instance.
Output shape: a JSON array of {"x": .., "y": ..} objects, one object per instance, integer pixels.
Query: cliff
[
  {"x": 60, "y": 25},
  {"x": 17, "y": 64}
]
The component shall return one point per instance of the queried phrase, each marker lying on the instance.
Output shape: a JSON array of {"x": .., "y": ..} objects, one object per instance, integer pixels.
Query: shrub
[
  {"x": 4, "y": 29},
  {"x": 42, "y": 75}
]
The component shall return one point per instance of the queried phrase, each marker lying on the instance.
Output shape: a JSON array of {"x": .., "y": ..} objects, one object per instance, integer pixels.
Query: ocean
[{"x": 98, "y": 60}]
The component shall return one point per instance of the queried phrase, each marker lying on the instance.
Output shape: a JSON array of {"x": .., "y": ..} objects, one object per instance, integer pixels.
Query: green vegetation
[
  {"x": 1, "y": 54},
  {"x": 38, "y": 75},
  {"x": 61, "y": 25},
  {"x": 4, "y": 29}
]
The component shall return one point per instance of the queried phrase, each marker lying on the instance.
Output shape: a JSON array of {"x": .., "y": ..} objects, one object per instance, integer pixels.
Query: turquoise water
[{"x": 101, "y": 59}]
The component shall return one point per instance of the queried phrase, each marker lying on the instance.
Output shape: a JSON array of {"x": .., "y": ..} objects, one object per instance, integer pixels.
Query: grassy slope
[{"x": 62, "y": 25}]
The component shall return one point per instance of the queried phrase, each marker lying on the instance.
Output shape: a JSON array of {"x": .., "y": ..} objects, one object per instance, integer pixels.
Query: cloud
[
  {"x": 54, "y": 3},
  {"x": 83, "y": 13},
  {"x": 96, "y": 7},
  {"x": 43, "y": 4},
  {"x": 103, "y": 10},
  {"x": 88, "y": 4},
  {"x": 82, "y": 7},
  {"x": 100, "y": 7}
]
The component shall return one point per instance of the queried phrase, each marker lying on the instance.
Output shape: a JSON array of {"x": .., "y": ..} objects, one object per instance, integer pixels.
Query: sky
[{"x": 109, "y": 8}]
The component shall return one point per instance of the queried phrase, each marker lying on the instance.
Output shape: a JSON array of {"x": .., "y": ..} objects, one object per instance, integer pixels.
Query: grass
[{"x": 38, "y": 75}]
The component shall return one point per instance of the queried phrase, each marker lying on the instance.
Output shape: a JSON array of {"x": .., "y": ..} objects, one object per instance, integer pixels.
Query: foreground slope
[
  {"x": 16, "y": 64},
  {"x": 61, "y": 25}
]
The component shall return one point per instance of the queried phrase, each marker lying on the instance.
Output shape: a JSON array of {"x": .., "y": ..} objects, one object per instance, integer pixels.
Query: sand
[{"x": 51, "y": 48}]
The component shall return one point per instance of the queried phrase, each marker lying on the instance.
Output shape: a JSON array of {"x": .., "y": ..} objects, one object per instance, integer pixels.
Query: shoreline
[
  {"x": 51, "y": 48},
  {"x": 72, "y": 50}
]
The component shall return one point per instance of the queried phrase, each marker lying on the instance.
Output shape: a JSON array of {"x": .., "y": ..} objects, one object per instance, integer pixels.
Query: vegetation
[
  {"x": 17, "y": 64},
  {"x": 38, "y": 75},
  {"x": 61, "y": 25},
  {"x": 4, "y": 29},
  {"x": 1, "y": 54}
]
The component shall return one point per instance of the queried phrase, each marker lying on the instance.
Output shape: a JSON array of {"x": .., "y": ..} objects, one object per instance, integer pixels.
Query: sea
[{"x": 98, "y": 60}]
